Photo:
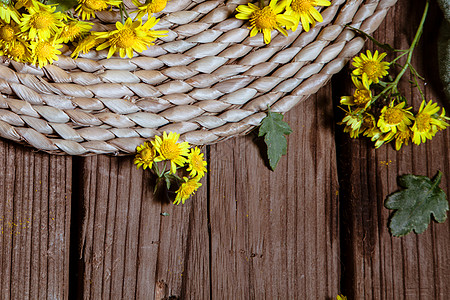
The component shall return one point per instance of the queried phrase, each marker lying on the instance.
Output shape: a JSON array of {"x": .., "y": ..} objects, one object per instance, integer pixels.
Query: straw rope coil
[{"x": 207, "y": 80}]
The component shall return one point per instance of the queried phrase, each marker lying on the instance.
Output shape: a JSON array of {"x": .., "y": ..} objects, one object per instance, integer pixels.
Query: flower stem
[{"x": 393, "y": 85}]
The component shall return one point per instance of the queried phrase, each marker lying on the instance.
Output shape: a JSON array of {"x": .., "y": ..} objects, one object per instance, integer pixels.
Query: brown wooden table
[{"x": 91, "y": 227}]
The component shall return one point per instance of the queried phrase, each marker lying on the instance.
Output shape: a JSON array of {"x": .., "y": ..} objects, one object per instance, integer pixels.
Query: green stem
[{"x": 393, "y": 85}]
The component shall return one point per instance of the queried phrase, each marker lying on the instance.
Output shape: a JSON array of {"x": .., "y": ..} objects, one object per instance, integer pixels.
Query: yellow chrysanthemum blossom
[
  {"x": 44, "y": 52},
  {"x": 169, "y": 149},
  {"x": 372, "y": 65},
  {"x": 341, "y": 297},
  {"x": 197, "y": 165},
  {"x": 86, "y": 44},
  {"x": 362, "y": 95},
  {"x": 18, "y": 51},
  {"x": 8, "y": 13},
  {"x": 87, "y": 8},
  {"x": 42, "y": 22},
  {"x": 305, "y": 12},
  {"x": 145, "y": 156},
  {"x": 128, "y": 37},
  {"x": 9, "y": 32},
  {"x": 73, "y": 30},
  {"x": 149, "y": 7},
  {"x": 187, "y": 189},
  {"x": 395, "y": 118},
  {"x": 427, "y": 123},
  {"x": 402, "y": 137},
  {"x": 266, "y": 19},
  {"x": 153, "y": 34}
]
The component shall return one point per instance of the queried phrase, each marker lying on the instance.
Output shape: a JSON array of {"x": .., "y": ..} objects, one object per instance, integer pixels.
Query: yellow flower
[
  {"x": 304, "y": 12},
  {"x": 395, "y": 117},
  {"x": 44, "y": 52},
  {"x": 362, "y": 95},
  {"x": 8, "y": 32},
  {"x": 341, "y": 297},
  {"x": 353, "y": 121},
  {"x": 24, "y": 3},
  {"x": 86, "y": 44},
  {"x": 87, "y": 8},
  {"x": 41, "y": 22},
  {"x": 169, "y": 148},
  {"x": 128, "y": 37},
  {"x": 149, "y": 7},
  {"x": 145, "y": 156},
  {"x": 427, "y": 123},
  {"x": 8, "y": 12},
  {"x": 153, "y": 34},
  {"x": 187, "y": 188},
  {"x": 196, "y": 163},
  {"x": 371, "y": 65},
  {"x": 402, "y": 137},
  {"x": 265, "y": 19},
  {"x": 17, "y": 50},
  {"x": 73, "y": 30}
]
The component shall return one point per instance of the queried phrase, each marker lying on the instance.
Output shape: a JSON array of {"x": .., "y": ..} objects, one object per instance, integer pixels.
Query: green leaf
[
  {"x": 5, "y": 1},
  {"x": 274, "y": 128},
  {"x": 62, "y": 5},
  {"x": 420, "y": 198}
]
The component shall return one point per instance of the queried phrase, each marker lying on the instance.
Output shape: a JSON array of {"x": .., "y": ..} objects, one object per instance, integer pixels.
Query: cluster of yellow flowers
[
  {"x": 384, "y": 118},
  {"x": 281, "y": 15},
  {"x": 32, "y": 32},
  {"x": 171, "y": 154}
]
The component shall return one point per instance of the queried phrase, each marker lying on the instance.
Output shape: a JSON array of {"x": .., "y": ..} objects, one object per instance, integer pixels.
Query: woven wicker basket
[{"x": 207, "y": 80}]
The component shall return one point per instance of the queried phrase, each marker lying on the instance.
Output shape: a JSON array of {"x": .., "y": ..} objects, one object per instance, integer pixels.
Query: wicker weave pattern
[{"x": 208, "y": 80}]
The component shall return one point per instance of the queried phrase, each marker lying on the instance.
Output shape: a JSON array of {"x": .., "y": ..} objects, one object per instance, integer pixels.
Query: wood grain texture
[
  {"x": 375, "y": 264},
  {"x": 128, "y": 249},
  {"x": 35, "y": 193},
  {"x": 275, "y": 235}
]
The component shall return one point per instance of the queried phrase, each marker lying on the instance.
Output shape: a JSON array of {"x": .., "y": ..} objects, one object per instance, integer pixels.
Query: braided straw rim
[{"x": 207, "y": 80}]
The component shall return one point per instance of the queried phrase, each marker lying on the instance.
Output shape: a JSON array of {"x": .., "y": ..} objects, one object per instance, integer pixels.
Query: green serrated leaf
[
  {"x": 414, "y": 205},
  {"x": 62, "y": 5},
  {"x": 274, "y": 129}
]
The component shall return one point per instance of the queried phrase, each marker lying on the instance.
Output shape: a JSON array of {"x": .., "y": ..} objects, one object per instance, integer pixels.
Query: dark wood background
[{"x": 91, "y": 228}]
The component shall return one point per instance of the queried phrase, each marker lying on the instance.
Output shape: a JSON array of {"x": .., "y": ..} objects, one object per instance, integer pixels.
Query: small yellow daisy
[
  {"x": 305, "y": 12},
  {"x": 128, "y": 37},
  {"x": 187, "y": 189},
  {"x": 395, "y": 118},
  {"x": 169, "y": 149},
  {"x": 86, "y": 44},
  {"x": 362, "y": 95},
  {"x": 149, "y": 7},
  {"x": 87, "y": 8},
  {"x": 18, "y": 51},
  {"x": 73, "y": 30},
  {"x": 145, "y": 156},
  {"x": 42, "y": 21},
  {"x": 9, "y": 32},
  {"x": 402, "y": 137},
  {"x": 44, "y": 52},
  {"x": 372, "y": 65},
  {"x": 266, "y": 19},
  {"x": 341, "y": 297},
  {"x": 427, "y": 123},
  {"x": 197, "y": 165}
]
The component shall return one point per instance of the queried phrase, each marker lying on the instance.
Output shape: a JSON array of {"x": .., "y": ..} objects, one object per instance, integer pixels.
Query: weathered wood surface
[
  {"x": 35, "y": 204},
  {"x": 248, "y": 233}
]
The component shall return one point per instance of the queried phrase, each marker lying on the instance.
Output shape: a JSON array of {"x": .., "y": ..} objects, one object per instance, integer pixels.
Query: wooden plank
[
  {"x": 129, "y": 250},
  {"x": 275, "y": 235},
  {"x": 375, "y": 264},
  {"x": 35, "y": 214}
]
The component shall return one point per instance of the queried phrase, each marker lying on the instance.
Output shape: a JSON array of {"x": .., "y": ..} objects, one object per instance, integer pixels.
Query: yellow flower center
[
  {"x": 147, "y": 155},
  {"x": 169, "y": 150},
  {"x": 301, "y": 6},
  {"x": 42, "y": 20},
  {"x": 44, "y": 49},
  {"x": 264, "y": 18},
  {"x": 156, "y": 6},
  {"x": 17, "y": 51},
  {"x": 371, "y": 68},
  {"x": 125, "y": 38},
  {"x": 7, "y": 33},
  {"x": 423, "y": 122},
  {"x": 361, "y": 96},
  {"x": 96, "y": 4},
  {"x": 393, "y": 116}
]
